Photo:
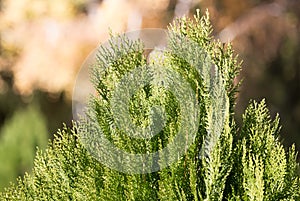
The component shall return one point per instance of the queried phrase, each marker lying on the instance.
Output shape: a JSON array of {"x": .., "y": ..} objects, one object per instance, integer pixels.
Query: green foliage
[
  {"x": 267, "y": 172},
  {"x": 18, "y": 141},
  {"x": 215, "y": 167},
  {"x": 62, "y": 172}
]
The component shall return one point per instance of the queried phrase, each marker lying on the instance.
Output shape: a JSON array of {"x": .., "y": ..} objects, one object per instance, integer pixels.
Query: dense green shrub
[{"x": 223, "y": 163}]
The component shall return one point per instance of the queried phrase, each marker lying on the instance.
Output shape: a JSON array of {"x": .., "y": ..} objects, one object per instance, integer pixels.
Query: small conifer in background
[{"x": 18, "y": 141}]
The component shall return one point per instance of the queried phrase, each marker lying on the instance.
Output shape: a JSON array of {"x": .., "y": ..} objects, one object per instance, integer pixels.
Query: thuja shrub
[{"x": 191, "y": 91}]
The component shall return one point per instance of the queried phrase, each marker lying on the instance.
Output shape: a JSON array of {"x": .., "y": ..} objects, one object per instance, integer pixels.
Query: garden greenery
[
  {"x": 224, "y": 162},
  {"x": 18, "y": 138}
]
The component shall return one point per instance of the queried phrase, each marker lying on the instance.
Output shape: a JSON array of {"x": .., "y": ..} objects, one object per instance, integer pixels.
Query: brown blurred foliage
[
  {"x": 43, "y": 44},
  {"x": 266, "y": 35}
]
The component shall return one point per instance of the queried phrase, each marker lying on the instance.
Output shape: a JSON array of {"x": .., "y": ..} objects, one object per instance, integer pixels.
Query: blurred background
[{"x": 44, "y": 43}]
